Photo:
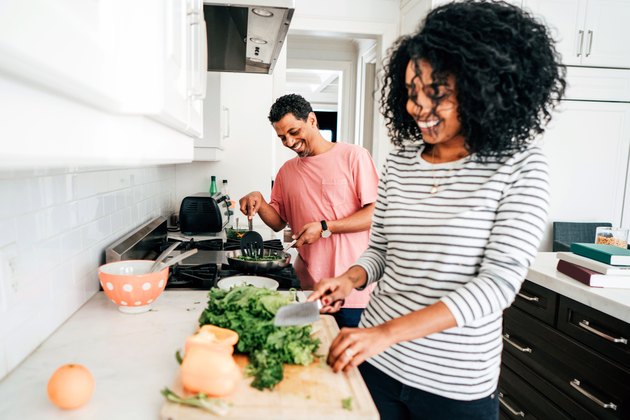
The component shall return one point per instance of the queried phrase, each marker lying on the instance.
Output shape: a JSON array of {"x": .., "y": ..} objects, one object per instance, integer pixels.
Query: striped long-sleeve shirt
[{"x": 468, "y": 245}]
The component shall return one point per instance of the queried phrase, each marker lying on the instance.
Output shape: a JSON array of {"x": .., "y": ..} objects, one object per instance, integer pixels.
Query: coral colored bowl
[{"x": 130, "y": 285}]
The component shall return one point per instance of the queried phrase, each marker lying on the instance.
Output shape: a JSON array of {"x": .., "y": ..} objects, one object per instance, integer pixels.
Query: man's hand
[
  {"x": 310, "y": 233},
  {"x": 250, "y": 204}
]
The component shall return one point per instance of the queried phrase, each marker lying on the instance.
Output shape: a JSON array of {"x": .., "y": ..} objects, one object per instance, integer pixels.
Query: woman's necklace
[{"x": 435, "y": 186}]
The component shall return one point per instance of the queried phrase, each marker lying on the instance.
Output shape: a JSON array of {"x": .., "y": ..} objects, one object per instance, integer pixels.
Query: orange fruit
[{"x": 70, "y": 386}]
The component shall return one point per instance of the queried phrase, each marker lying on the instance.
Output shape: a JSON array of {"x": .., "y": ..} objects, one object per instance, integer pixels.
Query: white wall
[
  {"x": 247, "y": 161},
  {"x": 54, "y": 227}
]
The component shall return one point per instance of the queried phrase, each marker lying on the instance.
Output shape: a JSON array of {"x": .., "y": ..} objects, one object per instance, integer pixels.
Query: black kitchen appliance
[{"x": 204, "y": 213}]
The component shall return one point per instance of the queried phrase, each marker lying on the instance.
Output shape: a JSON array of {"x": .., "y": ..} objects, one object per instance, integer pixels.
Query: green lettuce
[{"x": 250, "y": 312}]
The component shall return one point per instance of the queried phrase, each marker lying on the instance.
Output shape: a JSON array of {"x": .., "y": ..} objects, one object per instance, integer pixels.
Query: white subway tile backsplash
[
  {"x": 90, "y": 209},
  {"x": 53, "y": 232},
  {"x": 29, "y": 229},
  {"x": 7, "y": 232},
  {"x": 9, "y": 202},
  {"x": 4, "y": 364}
]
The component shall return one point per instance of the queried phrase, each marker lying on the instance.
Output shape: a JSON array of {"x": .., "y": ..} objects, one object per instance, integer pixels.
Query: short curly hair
[
  {"x": 507, "y": 74},
  {"x": 293, "y": 104}
]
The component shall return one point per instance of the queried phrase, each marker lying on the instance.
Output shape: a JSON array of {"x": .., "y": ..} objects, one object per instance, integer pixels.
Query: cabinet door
[
  {"x": 587, "y": 148},
  {"x": 411, "y": 14},
  {"x": 62, "y": 45},
  {"x": 175, "y": 59},
  {"x": 208, "y": 147},
  {"x": 607, "y": 34},
  {"x": 197, "y": 66},
  {"x": 565, "y": 18}
]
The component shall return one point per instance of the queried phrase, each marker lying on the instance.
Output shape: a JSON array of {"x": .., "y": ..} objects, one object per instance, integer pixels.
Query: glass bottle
[
  {"x": 230, "y": 203},
  {"x": 213, "y": 185}
]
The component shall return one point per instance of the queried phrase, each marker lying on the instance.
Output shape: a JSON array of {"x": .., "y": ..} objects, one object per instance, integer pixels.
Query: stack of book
[{"x": 596, "y": 265}]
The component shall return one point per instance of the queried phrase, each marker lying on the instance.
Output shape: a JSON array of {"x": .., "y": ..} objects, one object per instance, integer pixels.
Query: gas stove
[{"x": 200, "y": 271}]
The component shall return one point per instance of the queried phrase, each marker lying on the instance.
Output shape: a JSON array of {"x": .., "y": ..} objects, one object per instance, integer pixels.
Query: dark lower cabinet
[{"x": 556, "y": 365}]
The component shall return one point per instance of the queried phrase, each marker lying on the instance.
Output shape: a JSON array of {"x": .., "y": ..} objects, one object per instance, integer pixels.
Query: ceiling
[{"x": 320, "y": 87}]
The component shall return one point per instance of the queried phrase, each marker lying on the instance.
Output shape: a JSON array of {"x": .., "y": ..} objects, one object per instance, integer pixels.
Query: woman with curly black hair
[{"x": 461, "y": 211}]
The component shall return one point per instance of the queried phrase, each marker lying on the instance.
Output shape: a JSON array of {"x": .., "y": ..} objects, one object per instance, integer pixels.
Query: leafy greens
[{"x": 250, "y": 312}]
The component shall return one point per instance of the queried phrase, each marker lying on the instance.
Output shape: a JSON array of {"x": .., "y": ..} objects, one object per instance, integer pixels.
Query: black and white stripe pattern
[{"x": 468, "y": 245}]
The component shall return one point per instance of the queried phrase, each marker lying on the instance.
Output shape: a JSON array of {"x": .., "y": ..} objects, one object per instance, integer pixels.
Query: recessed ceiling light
[
  {"x": 262, "y": 12},
  {"x": 258, "y": 40}
]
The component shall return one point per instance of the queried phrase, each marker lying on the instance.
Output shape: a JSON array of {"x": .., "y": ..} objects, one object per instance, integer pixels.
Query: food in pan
[
  {"x": 235, "y": 233},
  {"x": 260, "y": 258}
]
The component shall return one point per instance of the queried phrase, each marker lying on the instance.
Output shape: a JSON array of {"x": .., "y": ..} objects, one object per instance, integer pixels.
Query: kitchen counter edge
[{"x": 611, "y": 301}]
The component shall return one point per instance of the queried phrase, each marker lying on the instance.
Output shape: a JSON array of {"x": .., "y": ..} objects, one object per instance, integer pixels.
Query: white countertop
[
  {"x": 614, "y": 302},
  {"x": 132, "y": 357}
]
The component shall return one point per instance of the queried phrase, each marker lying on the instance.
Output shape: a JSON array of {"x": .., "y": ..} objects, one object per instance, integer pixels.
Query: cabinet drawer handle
[
  {"x": 226, "y": 131},
  {"x": 590, "y": 42},
  {"x": 579, "y": 47},
  {"x": 509, "y": 408},
  {"x": 575, "y": 383},
  {"x": 506, "y": 337},
  {"x": 585, "y": 324},
  {"x": 529, "y": 298}
]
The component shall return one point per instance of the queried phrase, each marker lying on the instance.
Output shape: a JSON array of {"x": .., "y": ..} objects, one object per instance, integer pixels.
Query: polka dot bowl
[{"x": 130, "y": 285}]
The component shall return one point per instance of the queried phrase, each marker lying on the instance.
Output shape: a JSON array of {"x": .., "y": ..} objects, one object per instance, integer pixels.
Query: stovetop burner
[
  {"x": 205, "y": 276},
  {"x": 205, "y": 245},
  {"x": 197, "y": 277}
]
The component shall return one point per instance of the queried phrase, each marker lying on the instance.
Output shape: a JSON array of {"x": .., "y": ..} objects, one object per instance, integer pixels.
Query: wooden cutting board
[{"x": 306, "y": 392}]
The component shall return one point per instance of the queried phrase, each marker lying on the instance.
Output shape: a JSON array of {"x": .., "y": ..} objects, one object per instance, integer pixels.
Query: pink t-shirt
[{"x": 329, "y": 186}]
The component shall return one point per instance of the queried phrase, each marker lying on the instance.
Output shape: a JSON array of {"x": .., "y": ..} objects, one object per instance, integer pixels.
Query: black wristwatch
[{"x": 325, "y": 232}]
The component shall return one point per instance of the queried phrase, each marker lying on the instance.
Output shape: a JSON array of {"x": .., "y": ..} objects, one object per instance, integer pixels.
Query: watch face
[{"x": 326, "y": 234}]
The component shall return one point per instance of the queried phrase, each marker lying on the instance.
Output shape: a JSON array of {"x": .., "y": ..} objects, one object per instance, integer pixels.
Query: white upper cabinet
[
  {"x": 143, "y": 57},
  {"x": 589, "y": 32},
  {"x": 216, "y": 121},
  {"x": 120, "y": 66},
  {"x": 61, "y": 45}
]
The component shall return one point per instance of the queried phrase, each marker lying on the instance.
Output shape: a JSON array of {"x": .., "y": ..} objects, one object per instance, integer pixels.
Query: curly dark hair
[
  {"x": 507, "y": 74},
  {"x": 292, "y": 103}
]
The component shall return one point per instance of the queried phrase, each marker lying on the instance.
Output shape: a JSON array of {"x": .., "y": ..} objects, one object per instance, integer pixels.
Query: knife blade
[{"x": 297, "y": 314}]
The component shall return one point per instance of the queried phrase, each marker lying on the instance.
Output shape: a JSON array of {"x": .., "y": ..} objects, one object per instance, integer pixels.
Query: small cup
[{"x": 612, "y": 236}]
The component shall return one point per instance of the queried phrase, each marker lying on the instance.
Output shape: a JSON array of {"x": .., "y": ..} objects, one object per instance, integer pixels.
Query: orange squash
[
  {"x": 213, "y": 337},
  {"x": 215, "y": 373}
]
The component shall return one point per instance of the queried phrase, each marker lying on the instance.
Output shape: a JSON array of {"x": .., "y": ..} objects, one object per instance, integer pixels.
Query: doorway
[{"x": 328, "y": 70}]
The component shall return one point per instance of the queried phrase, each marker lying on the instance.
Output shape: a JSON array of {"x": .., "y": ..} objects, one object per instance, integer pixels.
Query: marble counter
[
  {"x": 614, "y": 302},
  {"x": 132, "y": 357}
]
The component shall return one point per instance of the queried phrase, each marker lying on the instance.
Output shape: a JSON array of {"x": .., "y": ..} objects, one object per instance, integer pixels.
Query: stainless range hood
[{"x": 246, "y": 37}]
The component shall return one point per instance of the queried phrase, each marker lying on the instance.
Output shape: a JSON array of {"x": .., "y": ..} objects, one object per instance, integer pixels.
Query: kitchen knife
[{"x": 297, "y": 314}]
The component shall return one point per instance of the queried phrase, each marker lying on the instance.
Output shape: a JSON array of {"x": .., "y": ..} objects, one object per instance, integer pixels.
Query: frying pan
[{"x": 255, "y": 267}]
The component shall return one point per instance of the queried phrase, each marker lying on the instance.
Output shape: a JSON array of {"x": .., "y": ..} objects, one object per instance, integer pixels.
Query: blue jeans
[
  {"x": 348, "y": 317},
  {"x": 395, "y": 400}
]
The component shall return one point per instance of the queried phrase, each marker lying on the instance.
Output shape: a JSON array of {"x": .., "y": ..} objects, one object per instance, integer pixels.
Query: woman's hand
[
  {"x": 354, "y": 345},
  {"x": 331, "y": 292}
]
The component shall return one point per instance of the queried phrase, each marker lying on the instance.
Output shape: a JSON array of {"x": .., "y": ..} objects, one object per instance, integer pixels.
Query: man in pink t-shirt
[{"x": 326, "y": 194}]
